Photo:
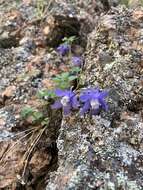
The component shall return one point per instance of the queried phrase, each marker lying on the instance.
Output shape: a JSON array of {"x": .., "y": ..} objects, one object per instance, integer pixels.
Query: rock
[
  {"x": 20, "y": 78},
  {"x": 105, "y": 151},
  {"x": 9, "y": 91},
  {"x": 102, "y": 152}
]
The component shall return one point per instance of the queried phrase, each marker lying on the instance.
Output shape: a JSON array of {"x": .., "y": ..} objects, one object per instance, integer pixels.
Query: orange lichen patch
[
  {"x": 50, "y": 25},
  {"x": 2, "y": 122},
  {"x": 62, "y": 180},
  {"x": 9, "y": 91},
  {"x": 46, "y": 30},
  {"x": 35, "y": 60},
  {"x": 137, "y": 14},
  {"x": 27, "y": 2},
  {"x": 13, "y": 14},
  {"x": 137, "y": 46},
  {"x": 133, "y": 32},
  {"x": 39, "y": 161},
  {"x": 10, "y": 166}
]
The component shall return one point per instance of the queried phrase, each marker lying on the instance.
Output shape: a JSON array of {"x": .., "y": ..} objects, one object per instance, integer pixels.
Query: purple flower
[
  {"x": 77, "y": 61},
  {"x": 63, "y": 49},
  {"x": 68, "y": 101},
  {"x": 93, "y": 100}
]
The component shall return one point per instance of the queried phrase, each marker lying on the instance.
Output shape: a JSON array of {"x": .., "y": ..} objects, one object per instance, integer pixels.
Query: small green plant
[
  {"x": 75, "y": 70},
  {"x": 64, "y": 80},
  {"x": 87, "y": 101},
  {"x": 69, "y": 40},
  {"x": 26, "y": 112},
  {"x": 35, "y": 115},
  {"x": 46, "y": 94}
]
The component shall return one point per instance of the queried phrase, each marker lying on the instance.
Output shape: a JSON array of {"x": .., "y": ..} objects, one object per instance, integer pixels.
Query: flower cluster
[
  {"x": 93, "y": 100},
  {"x": 89, "y": 101},
  {"x": 63, "y": 49},
  {"x": 77, "y": 61},
  {"x": 67, "y": 101}
]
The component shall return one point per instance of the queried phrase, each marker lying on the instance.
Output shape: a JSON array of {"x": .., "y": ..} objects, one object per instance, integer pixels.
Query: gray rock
[{"x": 105, "y": 151}]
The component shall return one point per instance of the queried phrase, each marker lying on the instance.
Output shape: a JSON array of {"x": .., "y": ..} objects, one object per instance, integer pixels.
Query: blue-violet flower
[
  {"x": 68, "y": 101},
  {"x": 77, "y": 61},
  {"x": 63, "y": 49},
  {"x": 93, "y": 100}
]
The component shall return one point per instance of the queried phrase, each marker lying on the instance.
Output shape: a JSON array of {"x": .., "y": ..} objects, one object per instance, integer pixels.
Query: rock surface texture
[{"x": 104, "y": 152}]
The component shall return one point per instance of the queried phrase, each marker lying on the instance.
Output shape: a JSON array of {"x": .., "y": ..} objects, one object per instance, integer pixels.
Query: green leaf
[
  {"x": 46, "y": 93},
  {"x": 65, "y": 75},
  {"x": 26, "y": 112},
  {"x": 69, "y": 40},
  {"x": 64, "y": 79},
  {"x": 76, "y": 69},
  {"x": 64, "y": 85},
  {"x": 56, "y": 79},
  {"x": 71, "y": 78},
  {"x": 64, "y": 39},
  {"x": 37, "y": 115},
  {"x": 45, "y": 121}
]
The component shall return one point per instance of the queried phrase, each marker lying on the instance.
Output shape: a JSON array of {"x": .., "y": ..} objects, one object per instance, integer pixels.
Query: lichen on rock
[
  {"x": 105, "y": 152},
  {"x": 75, "y": 152}
]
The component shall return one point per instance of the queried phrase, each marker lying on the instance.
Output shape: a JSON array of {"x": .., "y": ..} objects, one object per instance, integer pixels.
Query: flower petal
[
  {"x": 63, "y": 49},
  {"x": 56, "y": 105},
  {"x": 85, "y": 108},
  {"x": 77, "y": 61},
  {"x": 60, "y": 92},
  {"x": 67, "y": 110},
  {"x": 84, "y": 97}
]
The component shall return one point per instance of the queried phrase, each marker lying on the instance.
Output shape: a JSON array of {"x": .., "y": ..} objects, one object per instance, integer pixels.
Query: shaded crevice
[
  {"x": 52, "y": 132},
  {"x": 40, "y": 181},
  {"x": 64, "y": 27},
  {"x": 135, "y": 105},
  {"x": 10, "y": 42}
]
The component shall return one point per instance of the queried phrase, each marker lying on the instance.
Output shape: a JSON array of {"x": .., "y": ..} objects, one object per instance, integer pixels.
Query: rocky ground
[{"x": 73, "y": 153}]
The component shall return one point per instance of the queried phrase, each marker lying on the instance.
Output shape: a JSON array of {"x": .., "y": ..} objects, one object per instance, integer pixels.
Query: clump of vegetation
[
  {"x": 64, "y": 97},
  {"x": 64, "y": 80},
  {"x": 87, "y": 101},
  {"x": 35, "y": 116}
]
